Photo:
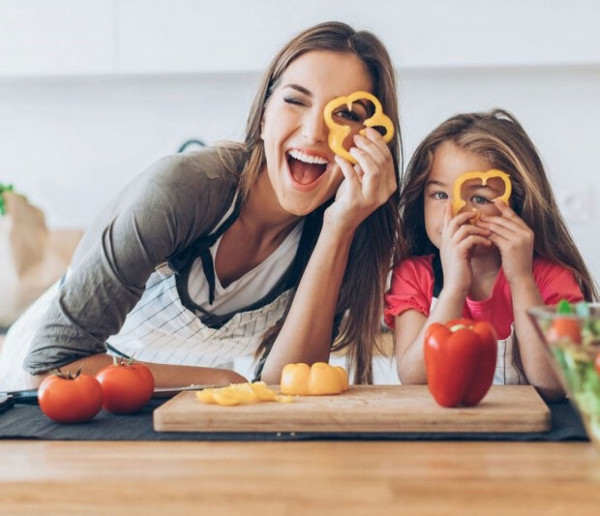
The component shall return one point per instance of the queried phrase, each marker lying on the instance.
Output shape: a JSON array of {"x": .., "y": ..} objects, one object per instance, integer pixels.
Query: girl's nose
[{"x": 313, "y": 126}]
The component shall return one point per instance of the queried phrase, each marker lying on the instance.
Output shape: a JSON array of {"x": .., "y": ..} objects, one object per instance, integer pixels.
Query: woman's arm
[
  {"x": 157, "y": 214},
  {"x": 164, "y": 375},
  {"x": 306, "y": 334}
]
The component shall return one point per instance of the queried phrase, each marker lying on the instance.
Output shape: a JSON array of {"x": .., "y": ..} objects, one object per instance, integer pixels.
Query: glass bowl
[{"x": 574, "y": 342}]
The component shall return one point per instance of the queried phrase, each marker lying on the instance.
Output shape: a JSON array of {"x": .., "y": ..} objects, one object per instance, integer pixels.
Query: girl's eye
[
  {"x": 479, "y": 199},
  {"x": 439, "y": 195}
]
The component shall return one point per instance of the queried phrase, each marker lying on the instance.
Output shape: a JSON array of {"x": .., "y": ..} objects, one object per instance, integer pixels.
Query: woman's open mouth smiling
[{"x": 305, "y": 169}]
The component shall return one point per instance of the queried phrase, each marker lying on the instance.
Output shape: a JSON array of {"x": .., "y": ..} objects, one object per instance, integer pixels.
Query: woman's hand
[
  {"x": 367, "y": 185},
  {"x": 514, "y": 239},
  {"x": 459, "y": 238}
]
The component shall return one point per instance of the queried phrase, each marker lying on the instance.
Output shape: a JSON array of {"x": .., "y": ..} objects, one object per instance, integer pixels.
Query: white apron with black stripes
[
  {"x": 161, "y": 329},
  {"x": 158, "y": 329}
]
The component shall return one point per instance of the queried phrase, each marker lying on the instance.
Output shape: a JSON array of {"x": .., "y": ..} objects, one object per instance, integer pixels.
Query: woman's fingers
[
  {"x": 375, "y": 160},
  {"x": 350, "y": 175},
  {"x": 359, "y": 172},
  {"x": 374, "y": 145}
]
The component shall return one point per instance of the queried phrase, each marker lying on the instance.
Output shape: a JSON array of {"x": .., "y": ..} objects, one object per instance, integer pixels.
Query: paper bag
[{"x": 28, "y": 265}]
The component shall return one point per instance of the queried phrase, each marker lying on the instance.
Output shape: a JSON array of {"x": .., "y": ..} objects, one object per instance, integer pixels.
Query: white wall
[{"x": 69, "y": 139}]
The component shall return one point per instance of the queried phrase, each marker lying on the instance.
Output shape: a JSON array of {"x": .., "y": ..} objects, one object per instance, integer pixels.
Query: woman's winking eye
[
  {"x": 349, "y": 115},
  {"x": 294, "y": 100}
]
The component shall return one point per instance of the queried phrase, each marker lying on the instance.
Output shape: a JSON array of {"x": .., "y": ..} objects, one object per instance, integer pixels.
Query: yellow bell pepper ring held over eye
[
  {"x": 315, "y": 380},
  {"x": 338, "y": 133},
  {"x": 458, "y": 203}
]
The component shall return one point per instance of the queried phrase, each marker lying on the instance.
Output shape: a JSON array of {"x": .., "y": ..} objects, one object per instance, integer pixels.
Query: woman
[{"x": 259, "y": 247}]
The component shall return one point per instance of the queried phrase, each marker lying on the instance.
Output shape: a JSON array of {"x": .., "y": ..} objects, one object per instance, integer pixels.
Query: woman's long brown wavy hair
[
  {"x": 374, "y": 245},
  {"x": 499, "y": 138}
]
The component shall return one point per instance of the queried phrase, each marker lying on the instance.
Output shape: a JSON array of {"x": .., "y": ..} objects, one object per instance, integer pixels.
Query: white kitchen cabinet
[
  {"x": 57, "y": 37},
  {"x": 193, "y": 36},
  {"x": 112, "y": 37}
]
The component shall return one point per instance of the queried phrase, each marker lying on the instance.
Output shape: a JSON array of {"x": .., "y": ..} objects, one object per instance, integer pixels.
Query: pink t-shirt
[{"x": 412, "y": 289}]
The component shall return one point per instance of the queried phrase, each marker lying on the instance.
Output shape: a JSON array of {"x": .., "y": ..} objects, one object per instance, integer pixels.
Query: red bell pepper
[{"x": 460, "y": 358}]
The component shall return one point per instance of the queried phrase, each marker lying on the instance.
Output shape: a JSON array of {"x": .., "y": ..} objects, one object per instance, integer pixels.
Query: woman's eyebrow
[{"x": 299, "y": 88}]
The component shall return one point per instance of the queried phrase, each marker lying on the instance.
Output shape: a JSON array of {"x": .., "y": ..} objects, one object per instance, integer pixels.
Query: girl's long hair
[
  {"x": 498, "y": 137},
  {"x": 373, "y": 249}
]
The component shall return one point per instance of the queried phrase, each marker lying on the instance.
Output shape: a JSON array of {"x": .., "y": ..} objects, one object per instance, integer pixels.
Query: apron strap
[
  {"x": 206, "y": 257},
  {"x": 201, "y": 248}
]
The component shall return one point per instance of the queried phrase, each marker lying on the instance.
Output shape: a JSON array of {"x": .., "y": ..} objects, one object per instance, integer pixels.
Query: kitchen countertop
[{"x": 441, "y": 478}]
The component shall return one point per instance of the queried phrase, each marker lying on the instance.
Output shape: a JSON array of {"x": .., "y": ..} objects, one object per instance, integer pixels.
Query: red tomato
[
  {"x": 68, "y": 399},
  {"x": 597, "y": 363},
  {"x": 564, "y": 328},
  {"x": 127, "y": 387}
]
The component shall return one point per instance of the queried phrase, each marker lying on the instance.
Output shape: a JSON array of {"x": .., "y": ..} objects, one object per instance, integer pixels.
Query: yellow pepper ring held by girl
[
  {"x": 338, "y": 133},
  {"x": 458, "y": 202},
  {"x": 315, "y": 380}
]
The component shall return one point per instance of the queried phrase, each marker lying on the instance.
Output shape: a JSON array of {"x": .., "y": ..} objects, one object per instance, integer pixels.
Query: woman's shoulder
[
  {"x": 187, "y": 183},
  {"x": 221, "y": 164}
]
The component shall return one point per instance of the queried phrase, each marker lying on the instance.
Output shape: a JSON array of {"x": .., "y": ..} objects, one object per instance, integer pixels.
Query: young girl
[
  {"x": 491, "y": 265},
  {"x": 242, "y": 249}
]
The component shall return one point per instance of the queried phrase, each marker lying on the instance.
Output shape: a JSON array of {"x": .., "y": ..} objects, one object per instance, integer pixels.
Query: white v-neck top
[{"x": 252, "y": 286}]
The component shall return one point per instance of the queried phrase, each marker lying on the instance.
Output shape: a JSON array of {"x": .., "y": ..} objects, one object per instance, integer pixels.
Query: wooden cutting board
[{"x": 365, "y": 408}]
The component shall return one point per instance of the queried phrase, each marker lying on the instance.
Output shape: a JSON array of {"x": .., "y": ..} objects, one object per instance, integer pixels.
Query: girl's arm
[
  {"x": 534, "y": 356},
  {"x": 515, "y": 240},
  {"x": 409, "y": 333},
  {"x": 457, "y": 240},
  {"x": 306, "y": 334}
]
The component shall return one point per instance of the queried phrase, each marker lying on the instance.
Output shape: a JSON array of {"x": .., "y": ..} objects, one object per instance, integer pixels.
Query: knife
[
  {"x": 8, "y": 399},
  {"x": 29, "y": 396}
]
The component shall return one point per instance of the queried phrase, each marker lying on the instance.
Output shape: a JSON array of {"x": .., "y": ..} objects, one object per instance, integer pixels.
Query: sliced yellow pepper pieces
[{"x": 240, "y": 394}]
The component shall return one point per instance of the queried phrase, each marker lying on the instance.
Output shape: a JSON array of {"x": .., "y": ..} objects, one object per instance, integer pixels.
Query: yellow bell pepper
[
  {"x": 338, "y": 133},
  {"x": 458, "y": 202},
  {"x": 318, "y": 379}
]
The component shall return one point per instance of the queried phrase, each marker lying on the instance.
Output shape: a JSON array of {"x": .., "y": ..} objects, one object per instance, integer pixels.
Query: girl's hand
[
  {"x": 513, "y": 238},
  {"x": 366, "y": 186},
  {"x": 459, "y": 238}
]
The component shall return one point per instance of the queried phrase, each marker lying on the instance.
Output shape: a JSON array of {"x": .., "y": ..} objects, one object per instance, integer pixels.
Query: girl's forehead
[{"x": 450, "y": 161}]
